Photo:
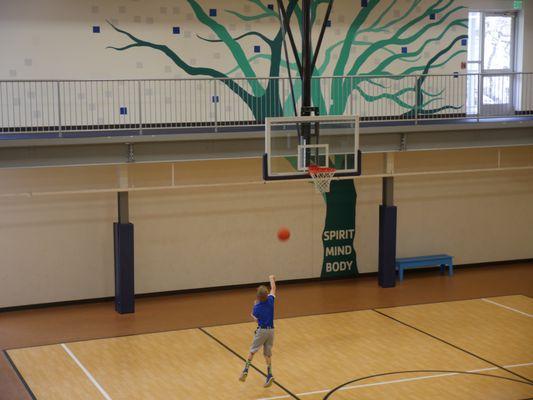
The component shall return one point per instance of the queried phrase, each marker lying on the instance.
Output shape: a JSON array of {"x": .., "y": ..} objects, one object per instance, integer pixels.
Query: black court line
[
  {"x": 453, "y": 345},
  {"x": 332, "y": 391},
  {"x": 14, "y": 367},
  {"x": 244, "y": 360}
]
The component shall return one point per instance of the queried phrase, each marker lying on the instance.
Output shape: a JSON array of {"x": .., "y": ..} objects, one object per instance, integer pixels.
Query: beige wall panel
[
  {"x": 146, "y": 175},
  {"x": 373, "y": 163},
  {"x": 444, "y": 160},
  {"x": 367, "y": 223},
  {"x": 218, "y": 171},
  {"x": 57, "y": 179},
  {"x": 56, "y": 248},
  {"x": 474, "y": 217},
  {"x": 516, "y": 157},
  {"x": 212, "y": 237}
]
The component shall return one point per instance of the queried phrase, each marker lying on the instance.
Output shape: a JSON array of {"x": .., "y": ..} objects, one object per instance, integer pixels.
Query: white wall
[{"x": 54, "y": 39}]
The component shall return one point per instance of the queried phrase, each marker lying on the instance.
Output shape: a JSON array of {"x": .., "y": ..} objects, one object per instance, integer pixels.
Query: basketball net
[{"x": 322, "y": 177}]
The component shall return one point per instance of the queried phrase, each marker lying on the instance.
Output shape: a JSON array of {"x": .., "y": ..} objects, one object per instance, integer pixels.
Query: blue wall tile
[
  {"x": 215, "y": 99},
  {"x": 212, "y": 12},
  {"x": 123, "y": 110},
  {"x": 364, "y": 3},
  {"x": 328, "y": 23},
  {"x": 464, "y": 42},
  {"x": 96, "y": 29},
  {"x": 257, "y": 49},
  {"x": 176, "y": 30},
  {"x": 432, "y": 16},
  {"x": 404, "y": 50}
]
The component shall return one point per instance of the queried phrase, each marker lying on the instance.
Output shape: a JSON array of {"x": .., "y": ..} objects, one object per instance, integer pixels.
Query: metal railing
[{"x": 141, "y": 105}]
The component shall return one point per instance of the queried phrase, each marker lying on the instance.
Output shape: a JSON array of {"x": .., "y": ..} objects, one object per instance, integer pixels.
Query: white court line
[
  {"x": 508, "y": 308},
  {"x": 418, "y": 378},
  {"x": 91, "y": 378},
  {"x": 518, "y": 365}
]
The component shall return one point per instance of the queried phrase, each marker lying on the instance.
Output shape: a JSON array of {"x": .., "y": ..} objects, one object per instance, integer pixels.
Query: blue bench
[{"x": 441, "y": 260}]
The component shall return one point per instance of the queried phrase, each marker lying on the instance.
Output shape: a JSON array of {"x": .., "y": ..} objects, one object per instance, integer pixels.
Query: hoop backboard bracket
[
  {"x": 316, "y": 154},
  {"x": 330, "y": 141}
]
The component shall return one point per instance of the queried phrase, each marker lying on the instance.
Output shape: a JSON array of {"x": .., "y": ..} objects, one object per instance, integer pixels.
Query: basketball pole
[
  {"x": 306, "y": 76},
  {"x": 310, "y": 56},
  {"x": 307, "y": 49}
]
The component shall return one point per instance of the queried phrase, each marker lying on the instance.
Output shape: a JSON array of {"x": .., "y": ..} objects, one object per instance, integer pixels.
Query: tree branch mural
[
  {"x": 371, "y": 70},
  {"x": 261, "y": 98},
  {"x": 403, "y": 48}
]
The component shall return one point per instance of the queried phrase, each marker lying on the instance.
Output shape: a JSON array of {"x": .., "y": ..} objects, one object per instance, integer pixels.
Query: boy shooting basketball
[{"x": 263, "y": 313}]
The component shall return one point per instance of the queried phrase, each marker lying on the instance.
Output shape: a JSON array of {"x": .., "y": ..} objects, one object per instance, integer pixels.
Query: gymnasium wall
[
  {"x": 63, "y": 39},
  {"x": 59, "y": 247}
]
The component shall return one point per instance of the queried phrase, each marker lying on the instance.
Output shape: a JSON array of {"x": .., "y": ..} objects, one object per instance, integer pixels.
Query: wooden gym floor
[{"x": 313, "y": 354}]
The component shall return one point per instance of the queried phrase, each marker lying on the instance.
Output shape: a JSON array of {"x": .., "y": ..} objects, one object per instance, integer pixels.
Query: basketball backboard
[{"x": 292, "y": 144}]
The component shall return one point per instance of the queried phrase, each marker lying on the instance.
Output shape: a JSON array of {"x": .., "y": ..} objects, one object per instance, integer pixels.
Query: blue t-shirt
[{"x": 264, "y": 312}]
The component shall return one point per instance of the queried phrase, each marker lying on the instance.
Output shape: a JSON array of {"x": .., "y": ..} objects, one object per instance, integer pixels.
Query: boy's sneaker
[
  {"x": 269, "y": 381},
  {"x": 244, "y": 375}
]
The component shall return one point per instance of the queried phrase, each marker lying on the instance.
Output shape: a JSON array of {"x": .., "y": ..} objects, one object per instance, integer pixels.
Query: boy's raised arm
[{"x": 272, "y": 285}]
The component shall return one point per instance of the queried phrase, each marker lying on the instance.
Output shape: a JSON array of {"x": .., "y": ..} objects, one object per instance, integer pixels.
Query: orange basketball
[{"x": 284, "y": 234}]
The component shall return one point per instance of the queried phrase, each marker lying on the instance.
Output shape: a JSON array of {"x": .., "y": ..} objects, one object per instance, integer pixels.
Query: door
[{"x": 497, "y": 64}]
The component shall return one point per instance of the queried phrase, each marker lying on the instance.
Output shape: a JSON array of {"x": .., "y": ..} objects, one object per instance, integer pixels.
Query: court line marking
[
  {"x": 86, "y": 371},
  {"x": 19, "y": 375},
  {"x": 452, "y": 345},
  {"x": 290, "y": 394},
  {"x": 418, "y": 378},
  {"x": 507, "y": 307}
]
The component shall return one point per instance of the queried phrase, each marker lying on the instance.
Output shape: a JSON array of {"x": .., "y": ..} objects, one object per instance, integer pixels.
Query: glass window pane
[
  {"x": 496, "y": 89},
  {"x": 472, "y": 84},
  {"x": 474, "y": 33},
  {"x": 472, "y": 88},
  {"x": 497, "y": 47},
  {"x": 473, "y": 68}
]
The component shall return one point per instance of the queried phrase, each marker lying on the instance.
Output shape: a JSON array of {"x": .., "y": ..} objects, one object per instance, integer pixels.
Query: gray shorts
[{"x": 265, "y": 338}]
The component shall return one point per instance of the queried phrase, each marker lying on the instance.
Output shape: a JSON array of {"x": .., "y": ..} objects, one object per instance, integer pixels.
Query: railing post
[
  {"x": 59, "y": 109},
  {"x": 215, "y": 102},
  {"x": 416, "y": 100},
  {"x": 479, "y": 95},
  {"x": 140, "y": 107},
  {"x": 352, "y": 107},
  {"x": 282, "y": 97}
]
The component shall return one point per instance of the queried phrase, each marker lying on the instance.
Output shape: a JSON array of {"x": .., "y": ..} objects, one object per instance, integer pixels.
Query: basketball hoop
[{"x": 322, "y": 177}]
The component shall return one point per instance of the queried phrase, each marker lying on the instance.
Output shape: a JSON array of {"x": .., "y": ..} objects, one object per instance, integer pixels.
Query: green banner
[{"x": 339, "y": 230}]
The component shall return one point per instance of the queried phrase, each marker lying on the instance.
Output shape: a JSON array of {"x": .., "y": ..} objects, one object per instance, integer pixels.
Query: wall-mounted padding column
[
  {"x": 123, "y": 236},
  {"x": 387, "y": 236}
]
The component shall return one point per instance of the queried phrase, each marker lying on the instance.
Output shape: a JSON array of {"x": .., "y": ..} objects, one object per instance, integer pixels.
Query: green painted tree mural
[
  {"x": 415, "y": 42},
  {"x": 404, "y": 45}
]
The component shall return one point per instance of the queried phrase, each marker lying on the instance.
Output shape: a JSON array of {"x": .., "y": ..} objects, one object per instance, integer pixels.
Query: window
[{"x": 491, "y": 62}]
